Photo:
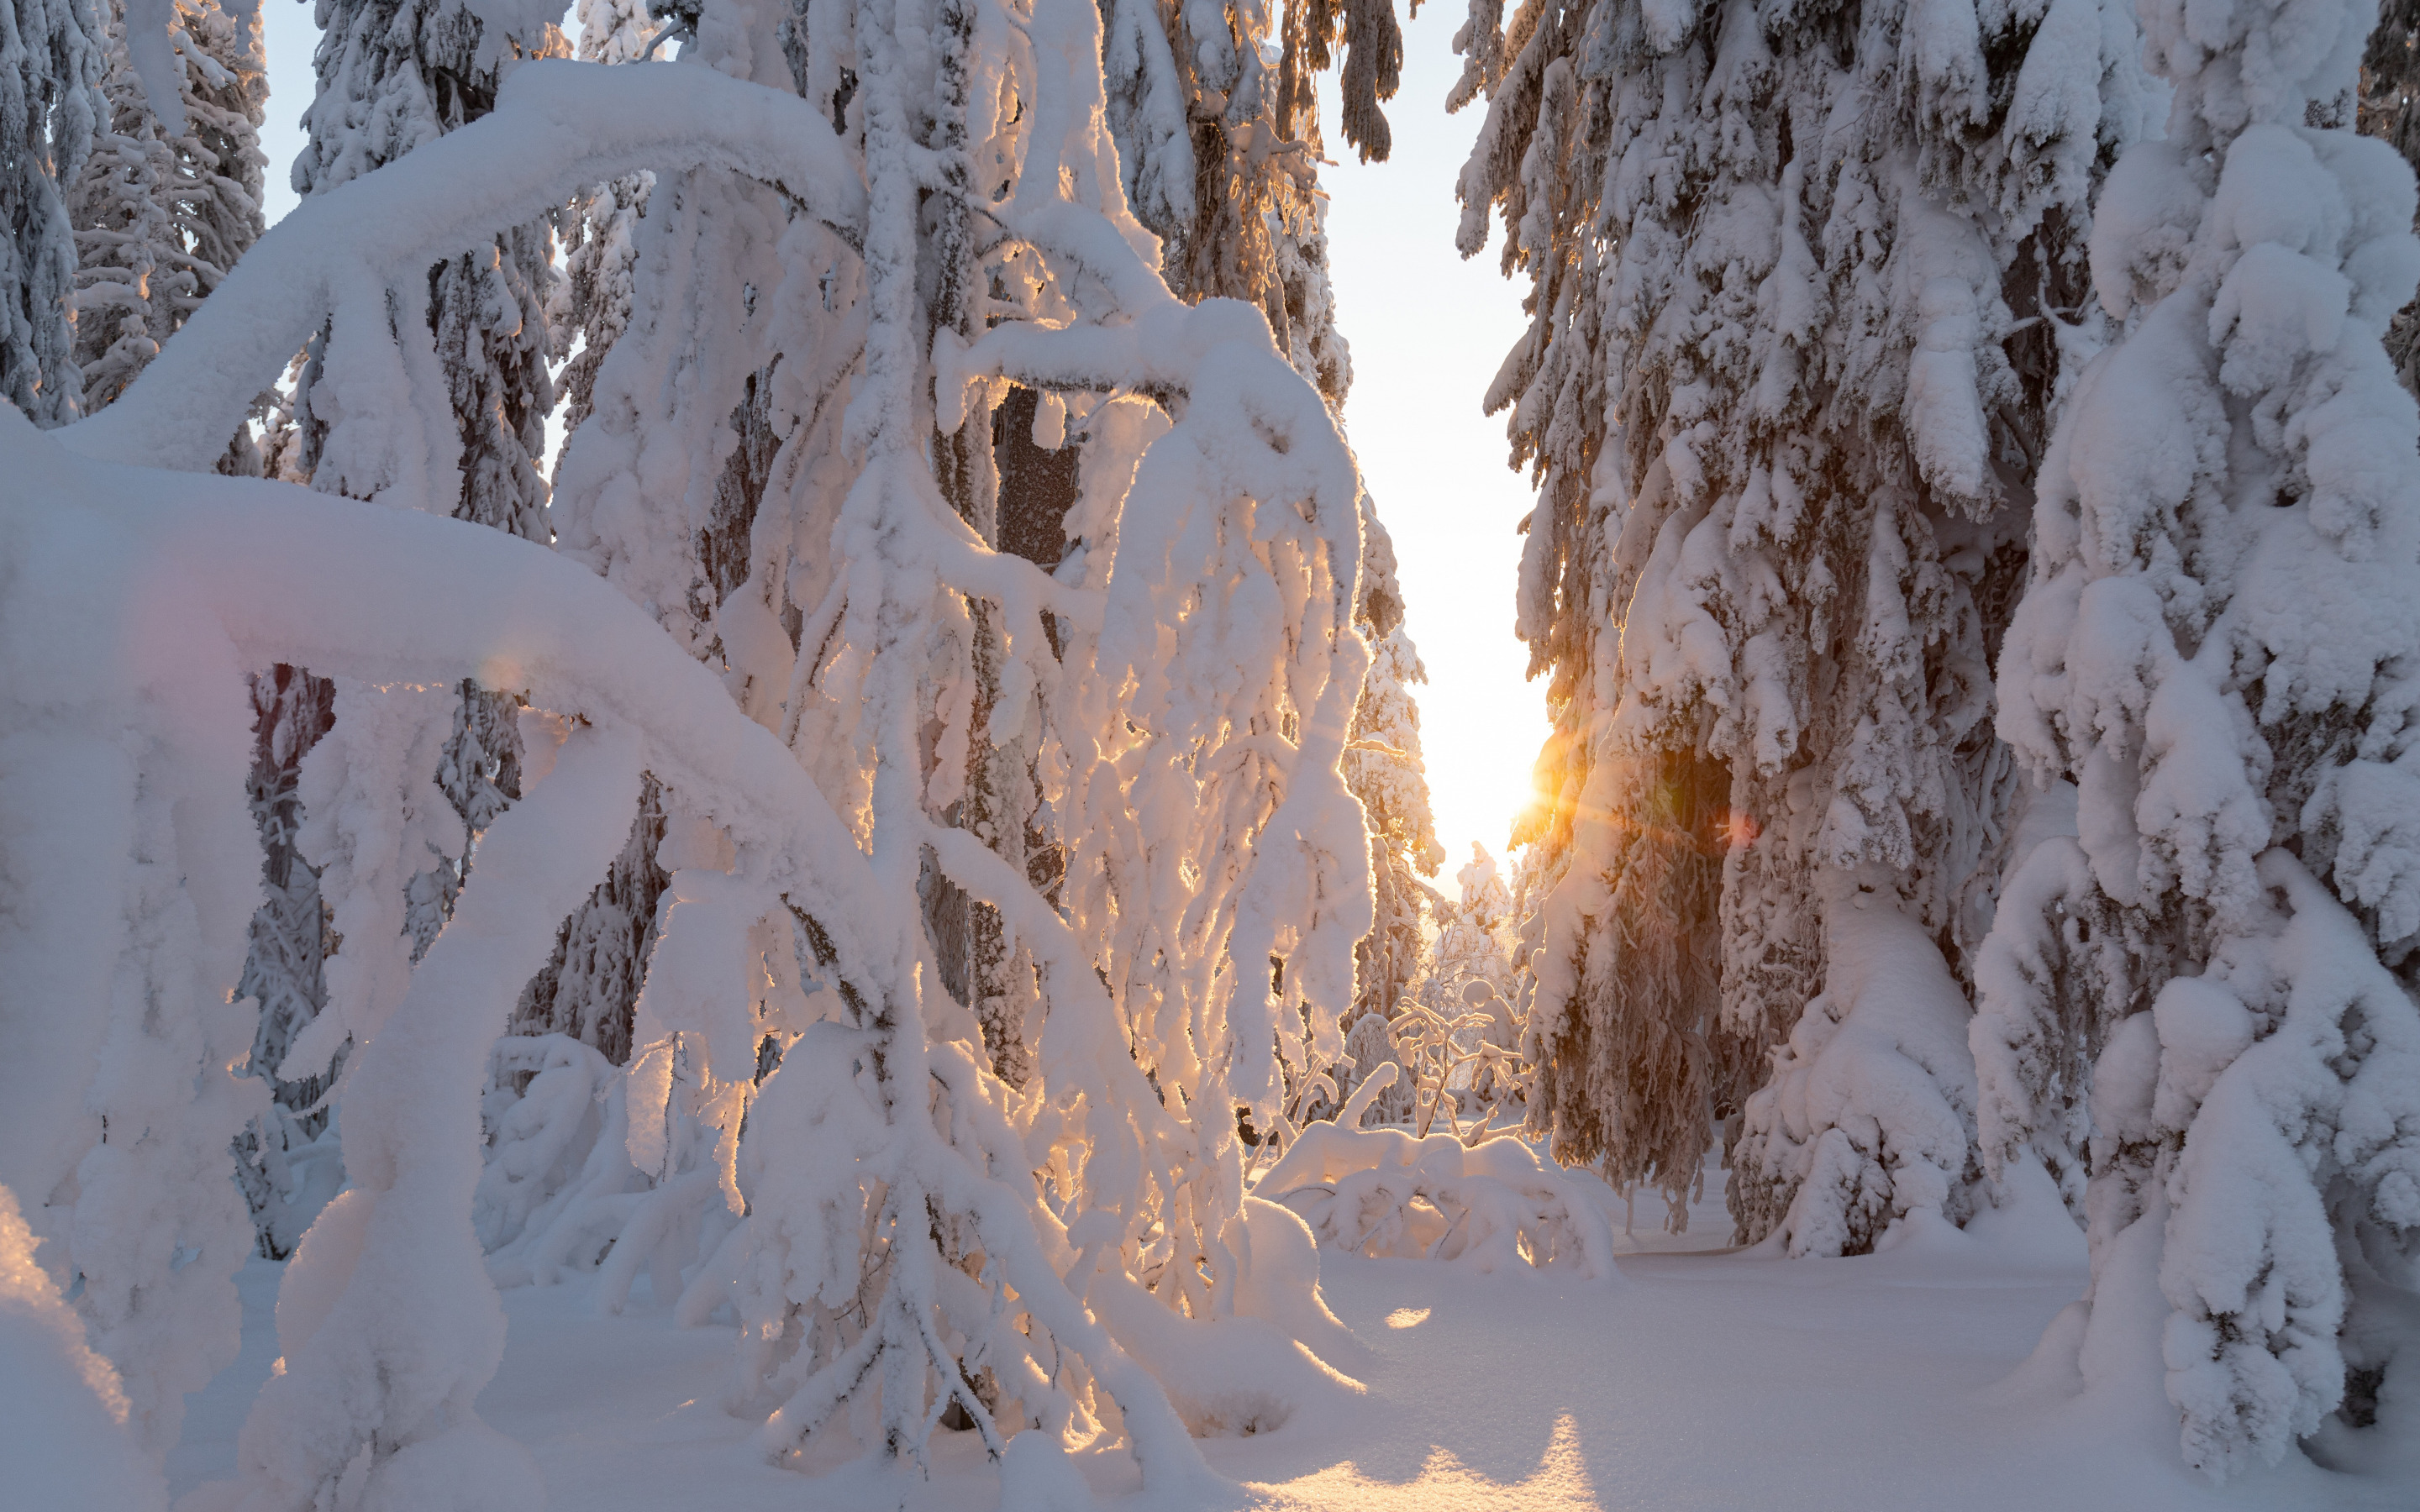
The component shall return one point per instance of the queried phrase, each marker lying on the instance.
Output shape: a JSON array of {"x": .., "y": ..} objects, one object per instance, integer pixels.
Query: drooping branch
[
  {"x": 558, "y": 128},
  {"x": 399, "y": 595}
]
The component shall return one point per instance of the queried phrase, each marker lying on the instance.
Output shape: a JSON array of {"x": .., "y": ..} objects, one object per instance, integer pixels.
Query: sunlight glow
[{"x": 1432, "y": 461}]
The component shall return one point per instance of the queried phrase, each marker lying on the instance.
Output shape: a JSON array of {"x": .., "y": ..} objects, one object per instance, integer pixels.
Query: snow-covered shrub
[
  {"x": 1371, "y": 1044},
  {"x": 1484, "y": 1207},
  {"x": 1804, "y": 285},
  {"x": 2219, "y": 643},
  {"x": 1456, "y": 1028},
  {"x": 1458, "y": 1059}
]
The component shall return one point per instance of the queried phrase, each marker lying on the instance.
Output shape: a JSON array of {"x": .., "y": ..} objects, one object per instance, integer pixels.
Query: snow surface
[{"x": 1714, "y": 1380}]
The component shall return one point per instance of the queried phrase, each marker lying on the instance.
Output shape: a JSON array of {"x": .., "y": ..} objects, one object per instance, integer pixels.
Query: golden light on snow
[
  {"x": 1407, "y": 1317},
  {"x": 1475, "y": 1479}
]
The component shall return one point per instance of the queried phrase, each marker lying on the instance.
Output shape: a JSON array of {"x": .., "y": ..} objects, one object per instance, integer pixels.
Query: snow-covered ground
[{"x": 1707, "y": 1380}]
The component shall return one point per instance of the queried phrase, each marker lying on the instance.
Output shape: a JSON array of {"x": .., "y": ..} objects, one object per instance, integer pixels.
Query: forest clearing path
[{"x": 1727, "y": 1382}]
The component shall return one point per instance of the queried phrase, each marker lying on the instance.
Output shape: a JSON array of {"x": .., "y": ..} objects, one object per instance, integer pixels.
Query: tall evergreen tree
[
  {"x": 1385, "y": 771},
  {"x": 2389, "y": 109},
  {"x": 2205, "y": 987},
  {"x": 1218, "y": 137},
  {"x": 163, "y": 208},
  {"x": 131, "y": 290},
  {"x": 392, "y": 75},
  {"x": 52, "y": 60},
  {"x": 161, "y": 211},
  {"x": 1803, "y": 284}
]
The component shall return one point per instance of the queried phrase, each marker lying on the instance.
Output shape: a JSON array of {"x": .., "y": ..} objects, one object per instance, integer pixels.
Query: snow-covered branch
[{"x": 558, "y": 128}]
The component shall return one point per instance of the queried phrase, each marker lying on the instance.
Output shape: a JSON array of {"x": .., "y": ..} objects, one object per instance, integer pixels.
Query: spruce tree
[
  {"x": 1803, "y": 284},
  {"x": 130, "y": 290},
  {"x": 2201, "y": 987},
  {"x": 1385, "y": 771},
  {"x": 2389, "y": 109},
  {"x": 1233, "y": 188},
  {"x": 162, "y": 211},
  {"x": 393, "y": 74},
  {"x": 52, "y": 61}
]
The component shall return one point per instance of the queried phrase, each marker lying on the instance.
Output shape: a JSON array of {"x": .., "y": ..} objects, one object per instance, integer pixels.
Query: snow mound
[{"x": 1489, "y": 1207}]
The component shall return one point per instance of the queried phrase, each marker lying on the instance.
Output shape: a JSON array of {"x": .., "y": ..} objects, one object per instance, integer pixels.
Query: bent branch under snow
[{"x": 558, "y": 128}]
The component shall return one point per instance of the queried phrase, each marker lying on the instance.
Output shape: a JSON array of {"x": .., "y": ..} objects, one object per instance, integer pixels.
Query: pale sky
[{"x": 1428, "y": 331}]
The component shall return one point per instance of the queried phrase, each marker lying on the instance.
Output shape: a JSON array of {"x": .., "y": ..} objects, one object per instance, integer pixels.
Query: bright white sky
[{"x": 1428, "y": 331}]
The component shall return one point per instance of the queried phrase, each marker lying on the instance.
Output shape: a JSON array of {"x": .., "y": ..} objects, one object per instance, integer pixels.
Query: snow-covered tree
[
  {"x": 1185, "y": 681},
  {"x": 1802, "y": 286},
  {"x": 2389, "y": 109},
  {"x": 161, "y": 212},
  {"x": 285, "y": 969},
  {"x": 2205, "y": 985},
  {"x": 591, "y": 303},
  {"x": 52, "y": 53},
  {"x": 163, "y": 209},
  {"x": 1385, "y": 771},
  {"x": 590, "y": 989},
  {"x": 1217, "y": 128},
  {"x": 1190, "y": 85},
  {"x": 1473, "y": 932},
  {"x": 130, "y": 291},
  {"x": 1218, "y": 137},
  {"x": 393, "y": 76}
]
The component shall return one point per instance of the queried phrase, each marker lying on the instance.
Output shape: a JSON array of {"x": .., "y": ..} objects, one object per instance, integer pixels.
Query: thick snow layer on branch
[
  {"x": 558, "y": 128},
  {"x": 151, "y": 48}
]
